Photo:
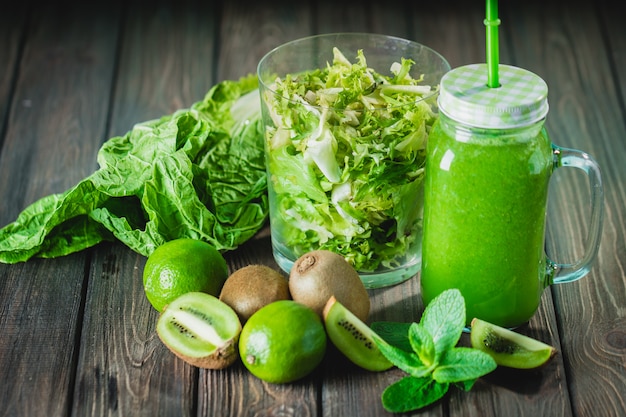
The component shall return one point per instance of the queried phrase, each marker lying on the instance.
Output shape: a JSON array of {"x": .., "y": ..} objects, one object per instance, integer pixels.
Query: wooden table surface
[{"x": 77, "y": 335}]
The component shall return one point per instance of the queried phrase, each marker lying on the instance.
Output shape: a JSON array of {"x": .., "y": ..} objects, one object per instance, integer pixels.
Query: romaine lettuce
[{"x": 198, "y": 173}]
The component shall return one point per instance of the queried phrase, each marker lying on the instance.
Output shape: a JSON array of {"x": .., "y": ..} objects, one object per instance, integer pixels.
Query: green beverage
[
  {"x": 489, "y": 243},
  {"x": 488, "y": 167}
]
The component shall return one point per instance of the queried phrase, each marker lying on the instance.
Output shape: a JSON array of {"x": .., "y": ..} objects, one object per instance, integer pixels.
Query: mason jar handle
[{"x": 561, "y": 273}]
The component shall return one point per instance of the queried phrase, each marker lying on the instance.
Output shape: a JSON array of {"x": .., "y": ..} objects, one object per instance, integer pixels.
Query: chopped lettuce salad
[{"x": 346, "y": 158}]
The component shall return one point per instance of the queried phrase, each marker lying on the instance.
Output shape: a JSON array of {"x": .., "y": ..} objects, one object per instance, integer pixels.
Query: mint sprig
[{"x": 429, "y": 355}]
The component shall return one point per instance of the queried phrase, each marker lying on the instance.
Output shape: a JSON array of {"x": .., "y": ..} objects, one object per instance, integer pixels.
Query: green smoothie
[{"x": 484, "y": 219}]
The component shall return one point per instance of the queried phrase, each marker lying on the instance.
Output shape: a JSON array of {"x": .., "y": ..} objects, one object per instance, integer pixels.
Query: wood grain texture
[
  {"x": 166, "y": 64},
  {"x": 78, "y": 334},
  {"x": 166, "y": 60},
  {"x": 590, "y": 312},
  {"x": 39, "y": 316},
  {"x": 54, "y": 127},
  {"x": 57, "y": 115},
  {"x": 454, "y": 29},
  {"x": 123, "y": 368},
  {"x": 249, "y": 30},
  {"x": 12, "y": 29}
]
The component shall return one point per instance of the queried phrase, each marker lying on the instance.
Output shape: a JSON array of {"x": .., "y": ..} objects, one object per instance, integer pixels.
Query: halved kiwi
[
  {"x": 200, "y": 329},
  {"x": 353, "y": 337},
  {"x": 509, "y": 348}
]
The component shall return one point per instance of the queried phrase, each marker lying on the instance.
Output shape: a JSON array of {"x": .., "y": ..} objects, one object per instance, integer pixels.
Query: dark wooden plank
[
  {"x": 583, "y": 115},
  {"x": 12, "y": 27},
  {"x": 57, "y": 117},
  {"x": 54, "y": 129},
  {"x": 178, "y": 68},
  {"x": 166, "y": 63},
  {"x": 613, "y": 32},
  {"x": 391, "y": 17},
  {"x": 347, "y": 16},
  {"x": 250, "y": 30},
  {"x": 462, "y": 41},
  {"x": 236, "y": 392},
  {"x": 452, "y": 28},
  {"x": 247, "y": 31},
  {"x": 123, "y": 368},
  {"x": 41, "y": 306}
]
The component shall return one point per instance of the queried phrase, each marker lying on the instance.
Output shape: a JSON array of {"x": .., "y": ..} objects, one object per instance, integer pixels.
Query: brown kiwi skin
[
  {"x": 222, "y": 358},
  {"x": 318, "y": 275},
  {"x": 249, "y": 288}
]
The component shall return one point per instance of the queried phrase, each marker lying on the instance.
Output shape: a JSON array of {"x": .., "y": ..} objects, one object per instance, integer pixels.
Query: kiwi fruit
[
  {"x": 320, "y": 274},
  {"x": 353, "y": 337},
  {"x": 254, "y": 286},
  {"x": 509, "y": 348},
  {"x": 201, "y": 330}
]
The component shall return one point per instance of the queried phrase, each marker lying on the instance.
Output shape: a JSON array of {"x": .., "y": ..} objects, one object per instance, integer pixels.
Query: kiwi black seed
[
  {"x": 318, "y": 275},
  {"x": 353, "y": 338},
  {"x": 201, "y": 330},
  {"x": 499, "y": 344},
  {"x": 249, "y": 288},
  {"x": 509, "y": 348}
]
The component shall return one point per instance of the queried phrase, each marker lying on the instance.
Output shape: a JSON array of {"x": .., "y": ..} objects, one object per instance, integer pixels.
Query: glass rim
[{"x": 442, "y": 61}]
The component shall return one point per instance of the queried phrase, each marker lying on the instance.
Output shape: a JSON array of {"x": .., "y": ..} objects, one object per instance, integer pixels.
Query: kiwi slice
[
  {"x": 200, "y": 329},
  {"x": 353, "y": 337},
  {"x": 509, "y": 348}
]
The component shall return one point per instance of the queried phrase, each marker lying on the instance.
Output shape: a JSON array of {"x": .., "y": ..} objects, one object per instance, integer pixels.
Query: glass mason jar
[{"x": 488, "y": 168}]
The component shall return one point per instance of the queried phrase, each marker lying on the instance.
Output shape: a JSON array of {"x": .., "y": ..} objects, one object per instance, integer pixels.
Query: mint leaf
[
  {"x": 444, "y": 318},
  {"x": 435, "y": 362},
  {"x": 462, "y": 364},
  {"x": 409, "y": 362},
  {"x": 394, "y": 333},
  {"x": 410, "y": 394},
  {"x": 465, "y": 385},
  {"x": 422, "y": 343}
]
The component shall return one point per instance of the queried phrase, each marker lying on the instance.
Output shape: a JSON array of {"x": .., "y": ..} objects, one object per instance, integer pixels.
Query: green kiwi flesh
[
  {"x": 509, "y": 348},
  {"x": 200, "y": 329},
  {"x": 353, "y": 337}
]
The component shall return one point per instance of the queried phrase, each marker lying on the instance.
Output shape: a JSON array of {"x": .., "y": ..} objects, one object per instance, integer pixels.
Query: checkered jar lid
[{"x": 521, "y": 99}]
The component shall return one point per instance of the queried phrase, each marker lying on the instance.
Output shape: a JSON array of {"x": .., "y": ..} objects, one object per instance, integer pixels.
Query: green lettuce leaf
[
  {"x": 197, "y": 173},
  {"x": 347, "y": 150}
]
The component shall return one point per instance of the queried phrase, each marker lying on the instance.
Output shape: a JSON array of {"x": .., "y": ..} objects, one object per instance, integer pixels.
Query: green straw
[{"x": 493, "y": 57}]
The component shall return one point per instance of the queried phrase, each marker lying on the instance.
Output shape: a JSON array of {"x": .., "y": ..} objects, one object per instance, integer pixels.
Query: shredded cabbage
[{"x": 346, "y": 157}]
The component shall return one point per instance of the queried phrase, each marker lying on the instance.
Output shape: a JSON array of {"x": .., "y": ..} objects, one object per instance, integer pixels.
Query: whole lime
[
  {"x": 282, "y": 342},
  {"x": 180, "y": 266}
]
